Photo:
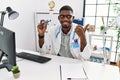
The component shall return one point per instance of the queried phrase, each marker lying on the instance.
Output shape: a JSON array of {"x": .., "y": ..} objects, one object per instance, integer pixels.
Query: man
[{"x": 66, "y": 40}]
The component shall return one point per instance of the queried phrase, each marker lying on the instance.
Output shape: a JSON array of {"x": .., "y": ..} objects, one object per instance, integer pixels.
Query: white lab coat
[{"x": 53, "y": 41}]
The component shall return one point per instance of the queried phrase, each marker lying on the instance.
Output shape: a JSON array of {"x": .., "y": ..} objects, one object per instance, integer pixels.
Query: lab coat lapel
[
  {"x": 57, "y": 40},
  {"x": 74, "y": 51}
]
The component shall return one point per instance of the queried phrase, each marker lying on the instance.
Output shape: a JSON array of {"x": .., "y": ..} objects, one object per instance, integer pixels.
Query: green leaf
[
  {"x": 102, "y": 27},
  {"x": 15, "y": 69}
]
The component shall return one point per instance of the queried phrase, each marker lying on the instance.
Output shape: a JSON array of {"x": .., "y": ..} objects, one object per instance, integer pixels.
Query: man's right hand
[{"x": 42, "y": 27}]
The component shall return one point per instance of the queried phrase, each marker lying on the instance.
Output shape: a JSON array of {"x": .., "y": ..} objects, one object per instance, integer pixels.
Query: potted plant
[
  {"x": 16, "y": 72},
  {"x": 102, "y": 29}
]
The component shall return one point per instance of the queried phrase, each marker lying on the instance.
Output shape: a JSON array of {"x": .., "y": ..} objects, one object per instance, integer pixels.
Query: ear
[
  {"x": 58, "y": 18},
  {"x": 73, "y": 17}
]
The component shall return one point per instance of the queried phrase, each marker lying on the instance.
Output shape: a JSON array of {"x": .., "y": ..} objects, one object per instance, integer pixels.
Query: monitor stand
[
  {"x": 1, "y": 55},
  {"x": 4, "y": 62}
]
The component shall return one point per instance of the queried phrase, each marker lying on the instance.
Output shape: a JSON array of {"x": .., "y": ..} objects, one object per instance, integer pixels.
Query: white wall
[{"x": 23, "y": 26}]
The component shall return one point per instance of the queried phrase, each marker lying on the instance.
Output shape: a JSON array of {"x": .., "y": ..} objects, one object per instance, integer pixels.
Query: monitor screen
[{"x": 7, "y": 48}]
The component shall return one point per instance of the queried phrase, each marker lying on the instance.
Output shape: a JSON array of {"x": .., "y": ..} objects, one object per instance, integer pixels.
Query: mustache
[{"x": 65, "y": 26}]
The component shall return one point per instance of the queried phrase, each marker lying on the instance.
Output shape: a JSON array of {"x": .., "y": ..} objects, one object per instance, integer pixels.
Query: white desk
[{"x": 51, "y": 70}]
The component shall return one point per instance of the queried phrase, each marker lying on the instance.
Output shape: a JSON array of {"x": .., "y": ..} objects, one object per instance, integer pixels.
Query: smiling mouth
[{"x": 65, "y": 26}]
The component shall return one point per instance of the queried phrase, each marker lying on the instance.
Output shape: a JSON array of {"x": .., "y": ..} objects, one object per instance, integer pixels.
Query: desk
[{"x": 51, "y": 70}]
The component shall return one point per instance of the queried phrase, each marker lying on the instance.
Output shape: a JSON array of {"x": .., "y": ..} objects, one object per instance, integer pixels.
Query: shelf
[{"x": 97, "y": 43}]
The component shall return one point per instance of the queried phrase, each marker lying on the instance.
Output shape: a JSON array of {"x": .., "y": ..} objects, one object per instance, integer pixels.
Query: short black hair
[{"x": 66, "y": 7}]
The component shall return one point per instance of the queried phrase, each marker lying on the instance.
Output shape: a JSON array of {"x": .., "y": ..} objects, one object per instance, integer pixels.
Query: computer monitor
[{"x": 7, "y": 48}]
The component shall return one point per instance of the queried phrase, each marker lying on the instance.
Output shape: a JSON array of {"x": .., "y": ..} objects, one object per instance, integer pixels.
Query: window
[{"x": 96, "y": 9}]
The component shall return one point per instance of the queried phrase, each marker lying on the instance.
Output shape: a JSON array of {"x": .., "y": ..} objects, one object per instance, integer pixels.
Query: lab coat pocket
[
  {"x": 75, "y": 49},
  {"x": 75, "y": 44}
]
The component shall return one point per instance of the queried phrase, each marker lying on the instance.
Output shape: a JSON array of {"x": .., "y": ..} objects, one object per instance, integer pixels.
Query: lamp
[
  {"x": 11, "y": 15},
  {"x": 117, "y": 22}
]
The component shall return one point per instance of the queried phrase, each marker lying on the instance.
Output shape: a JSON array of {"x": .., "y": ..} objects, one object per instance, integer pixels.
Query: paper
[{"x": 73, "y": 72}]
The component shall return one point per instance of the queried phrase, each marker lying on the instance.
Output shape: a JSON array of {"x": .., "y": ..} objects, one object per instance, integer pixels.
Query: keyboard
[{"x": 33, "y": 57}]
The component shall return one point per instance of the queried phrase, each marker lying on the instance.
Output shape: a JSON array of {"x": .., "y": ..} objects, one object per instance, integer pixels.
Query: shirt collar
[{"x": 68, "y": 34}]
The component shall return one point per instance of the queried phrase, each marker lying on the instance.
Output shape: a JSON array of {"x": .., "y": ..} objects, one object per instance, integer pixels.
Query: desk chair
[{"x": 118, "y": 62}]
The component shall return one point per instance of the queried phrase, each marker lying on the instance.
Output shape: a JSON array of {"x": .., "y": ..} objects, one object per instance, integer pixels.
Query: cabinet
[
  {"x": 101, "y": 46},
  {"x": 46, "y": 16}
]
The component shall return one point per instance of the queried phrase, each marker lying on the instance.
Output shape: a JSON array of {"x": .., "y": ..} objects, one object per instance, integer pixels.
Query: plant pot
[
  {"x": 16, "y": 75},
  {"x": 102, "y": 31}
]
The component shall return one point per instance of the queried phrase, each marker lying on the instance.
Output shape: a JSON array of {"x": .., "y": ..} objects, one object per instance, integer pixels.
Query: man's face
[{"x": 65, "y": 18}]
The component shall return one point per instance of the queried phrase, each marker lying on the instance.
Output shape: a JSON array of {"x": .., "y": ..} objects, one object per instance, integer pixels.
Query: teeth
[{"x": 65, "y": 23}]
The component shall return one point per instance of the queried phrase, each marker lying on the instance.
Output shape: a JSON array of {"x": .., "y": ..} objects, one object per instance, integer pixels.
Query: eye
[
  {"x": 69, "y": 16},
  {"x": 61, "y": 16}
]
